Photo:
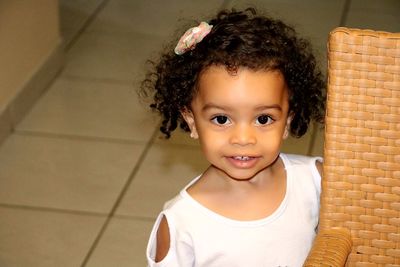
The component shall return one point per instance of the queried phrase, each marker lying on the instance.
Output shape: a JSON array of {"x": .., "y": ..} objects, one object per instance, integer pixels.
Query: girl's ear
[
  {"x": 287, "y": 127},
  {"x": 189, "y": 118}
]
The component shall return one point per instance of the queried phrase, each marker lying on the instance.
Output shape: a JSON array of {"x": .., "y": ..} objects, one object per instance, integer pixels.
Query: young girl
[{"x": 240, "y": 83}]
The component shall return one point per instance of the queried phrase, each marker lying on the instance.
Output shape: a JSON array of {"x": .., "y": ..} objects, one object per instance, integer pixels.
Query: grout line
[
  {"x": 120, "y": 197},
  {"x": 177, "y": 145},
  {"x": 74, "y": 212},
  {"x": 53, "y": 210},
  {"x": 32, "y": 133},
  {"x": 137, "y": 218},
  {"x": 86, "y": 24},
  {"x": 112, "y": 81},
  {"x": 345, "y": 13},
  {"x": 79, "y": 137}
]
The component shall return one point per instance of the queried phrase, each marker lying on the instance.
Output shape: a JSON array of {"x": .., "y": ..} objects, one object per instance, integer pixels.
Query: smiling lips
[
  {"x": 243, "y": 162},
  {"x": 242, "y": 158}
]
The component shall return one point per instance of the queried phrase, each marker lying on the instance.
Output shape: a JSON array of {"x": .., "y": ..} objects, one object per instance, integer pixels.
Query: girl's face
[{"x": 240, "y": 119}]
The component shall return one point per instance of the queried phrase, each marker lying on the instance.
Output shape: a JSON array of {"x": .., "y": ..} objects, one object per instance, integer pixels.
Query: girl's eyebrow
[
  {"x": 214, "y": 106},
  {"x": 227, "y": 108},
  {"x": 273, "y": 106}
]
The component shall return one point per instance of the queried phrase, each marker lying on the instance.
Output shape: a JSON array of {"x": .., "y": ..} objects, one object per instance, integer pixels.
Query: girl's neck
[
  {"x": 251, "y": 199},
  {"x": 265, "y": 177}
]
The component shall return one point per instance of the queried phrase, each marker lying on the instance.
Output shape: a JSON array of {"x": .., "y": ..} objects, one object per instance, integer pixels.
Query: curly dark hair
[{"x": 239, "y": 39}]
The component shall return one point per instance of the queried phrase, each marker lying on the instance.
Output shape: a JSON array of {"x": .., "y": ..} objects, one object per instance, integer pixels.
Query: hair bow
[{"x": 192, "y": 37}]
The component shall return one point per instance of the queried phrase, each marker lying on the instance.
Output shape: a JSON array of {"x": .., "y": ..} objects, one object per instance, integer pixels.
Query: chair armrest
[{"x": 331, "y": 248}]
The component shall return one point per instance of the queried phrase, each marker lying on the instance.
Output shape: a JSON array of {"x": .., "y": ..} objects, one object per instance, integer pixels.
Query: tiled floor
[{"x": 85, "y": 173}]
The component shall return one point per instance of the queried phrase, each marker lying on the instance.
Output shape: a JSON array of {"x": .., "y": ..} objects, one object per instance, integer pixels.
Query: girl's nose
[{"x": 243, "y": 135}]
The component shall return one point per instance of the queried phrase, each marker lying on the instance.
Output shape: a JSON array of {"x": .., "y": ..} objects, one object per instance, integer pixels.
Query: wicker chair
[{"x": 360, "y": 201}]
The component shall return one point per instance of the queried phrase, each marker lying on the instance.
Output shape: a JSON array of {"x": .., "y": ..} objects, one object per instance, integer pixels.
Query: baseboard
[
  {"x": 5, "y": 124},
  {"x": 31, "y": 92}
]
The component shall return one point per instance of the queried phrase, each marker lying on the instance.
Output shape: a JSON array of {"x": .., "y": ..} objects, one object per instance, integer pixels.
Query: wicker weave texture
[
  {"x": 330, "y": 248},
  {"x": 361, "y": 186}
]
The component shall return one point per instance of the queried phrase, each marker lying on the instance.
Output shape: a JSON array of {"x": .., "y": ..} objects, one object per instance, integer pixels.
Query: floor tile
[
  {"x": 162, "y": 18},
  {"x": 64, "y": 174},
  {"x": 294, "y": 145},
  {"x": 178, "y": 137},
  {"x": 120, "y": 57},
  {"x": 321, "y": 56},
  {"x": 45, "y": 239},
  {"x": 90, "y": 108},
  {"x": 164, "y": 172},
  {"x": 318, "y": 143},
  {"x": 374, "y": 14},
  {"x": 123, "y": 244},
  {"x": 313, "y": 19},
  {"x": 74, "y": 14},
  {"x": 300, "y": 145}
]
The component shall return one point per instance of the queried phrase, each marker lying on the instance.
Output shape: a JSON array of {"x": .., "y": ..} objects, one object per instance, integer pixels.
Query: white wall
[{"x": 29, "y": 42}]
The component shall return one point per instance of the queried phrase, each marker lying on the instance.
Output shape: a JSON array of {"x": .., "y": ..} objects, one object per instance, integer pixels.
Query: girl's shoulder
[
  {"x": 304, "y": 168},
  {"x": 292, "y": 160}
]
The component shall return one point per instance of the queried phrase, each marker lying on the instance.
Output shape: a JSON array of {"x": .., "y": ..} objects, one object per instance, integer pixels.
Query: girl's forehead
[
  {"x": 220, "y": 77},
  {"x": 243, "y": 86}
]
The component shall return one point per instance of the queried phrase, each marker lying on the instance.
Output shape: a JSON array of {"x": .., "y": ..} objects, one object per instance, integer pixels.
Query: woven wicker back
[{"x": 361, "y": 186}]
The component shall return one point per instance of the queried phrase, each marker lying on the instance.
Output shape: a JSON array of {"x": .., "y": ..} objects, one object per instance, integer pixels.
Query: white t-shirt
[{"x": 200, "y": 237}]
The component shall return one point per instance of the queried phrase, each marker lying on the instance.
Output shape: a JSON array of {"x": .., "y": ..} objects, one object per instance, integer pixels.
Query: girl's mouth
[
  {"x": 243, "y": 162},
  {"x": 244, "y": 158}
]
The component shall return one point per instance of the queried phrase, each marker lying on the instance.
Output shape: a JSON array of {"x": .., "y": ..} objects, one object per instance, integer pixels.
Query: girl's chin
[{"x": 236, "y": 174}]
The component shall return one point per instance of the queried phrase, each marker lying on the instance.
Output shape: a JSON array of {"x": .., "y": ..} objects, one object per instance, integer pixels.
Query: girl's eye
[
  {"x": 264, "y": 119},
  {"x": 220, "y": 119}
]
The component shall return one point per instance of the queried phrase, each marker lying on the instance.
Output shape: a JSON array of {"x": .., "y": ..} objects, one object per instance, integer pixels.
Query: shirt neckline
[{"x": 250, "y": 223}]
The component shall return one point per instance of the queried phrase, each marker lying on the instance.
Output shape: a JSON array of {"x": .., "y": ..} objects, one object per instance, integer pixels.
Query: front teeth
[{"x": 242, "y": 158}]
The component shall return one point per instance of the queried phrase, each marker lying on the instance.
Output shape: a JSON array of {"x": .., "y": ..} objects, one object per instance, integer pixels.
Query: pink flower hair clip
[{"x": 192, "y": 37}]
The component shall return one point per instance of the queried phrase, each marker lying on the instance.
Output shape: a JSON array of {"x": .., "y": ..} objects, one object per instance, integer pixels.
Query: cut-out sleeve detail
[
  {"x": 179, "y": 253},
  {"x": 163, "y": 240}
]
